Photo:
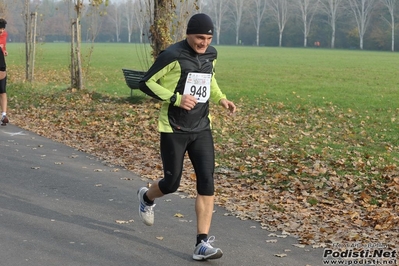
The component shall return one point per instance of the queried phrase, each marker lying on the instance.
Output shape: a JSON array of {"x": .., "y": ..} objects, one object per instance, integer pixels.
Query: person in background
[
  {"x": 183, "y": 77},
  {"x": 3, "y": 73}
]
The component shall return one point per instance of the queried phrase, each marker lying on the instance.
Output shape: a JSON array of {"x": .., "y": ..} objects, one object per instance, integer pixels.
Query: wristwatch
[{"x": 173, "y": 99}]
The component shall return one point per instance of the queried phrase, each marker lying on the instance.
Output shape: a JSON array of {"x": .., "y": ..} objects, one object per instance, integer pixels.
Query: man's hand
[
  {"x": 228, "y": 105},
  {"x": 188, "y": 102}
]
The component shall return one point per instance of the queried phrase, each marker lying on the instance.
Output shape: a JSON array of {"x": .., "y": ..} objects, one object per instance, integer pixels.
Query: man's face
[
  {"x": 2, "y": 30},
  {"x": 199, "y": 42}
]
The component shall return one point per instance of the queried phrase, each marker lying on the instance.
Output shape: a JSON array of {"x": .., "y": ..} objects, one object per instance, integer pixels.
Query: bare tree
[
  {"x": 237, "y": 12},
  {"x": 28, "y": 33},
  {"x": 76, "y": 40},
  {"x": 390, "y": 4},
  {"x": 184, "y": 10},
  {"x": 308, "y": 9},
  {"x": 141, "y": 11},
  {"x": 129, "y": 18},
  {"x": 279, "y": 11},
  {"x": 135, "y": 14},
  {"x": 3, "y": 8},
  {"x": 331, "y": 7},
  {"x": 33, "y": 28},
  {"x": 30, "y": 20},
  {"x": 219, "y": 9},
  {"x": 139, "y": 15},
  {"x": 95, "y": 19},
  {"x": 115, "y": 16},
  {"x": 362, "y": 10},
  {"x": 200, "y": 5},
  {"x": 258, "y": 15}
]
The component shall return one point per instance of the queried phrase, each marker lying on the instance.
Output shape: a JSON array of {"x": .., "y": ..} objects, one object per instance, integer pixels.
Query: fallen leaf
[
  {"x": 123, "y": 222},
  {"x": 299, "y": 245}
]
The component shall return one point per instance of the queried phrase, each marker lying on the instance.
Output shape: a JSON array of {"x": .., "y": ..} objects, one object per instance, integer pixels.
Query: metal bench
[{"x": 132, "y": 78}]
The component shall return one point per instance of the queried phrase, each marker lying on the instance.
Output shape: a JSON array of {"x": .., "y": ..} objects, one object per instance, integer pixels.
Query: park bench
[{"x": 132, "y": 78}]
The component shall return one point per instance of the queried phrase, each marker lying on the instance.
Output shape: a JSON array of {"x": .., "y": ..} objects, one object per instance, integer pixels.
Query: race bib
[{"x": 199, "y": 86}]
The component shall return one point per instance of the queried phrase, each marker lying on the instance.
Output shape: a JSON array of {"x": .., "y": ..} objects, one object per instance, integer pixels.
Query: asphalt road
[{"x": 60, "y": 206}]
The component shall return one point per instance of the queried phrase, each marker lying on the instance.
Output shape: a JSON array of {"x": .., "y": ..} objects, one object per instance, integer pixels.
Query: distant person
[
  {"x": 3, "y": 73},
  {"x": 183, "y": 77}
]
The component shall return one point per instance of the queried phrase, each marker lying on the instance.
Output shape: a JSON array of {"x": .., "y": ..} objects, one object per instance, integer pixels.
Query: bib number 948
[
  {"x": 198, "y": 85},
  {"x": 199, "y": 92}
]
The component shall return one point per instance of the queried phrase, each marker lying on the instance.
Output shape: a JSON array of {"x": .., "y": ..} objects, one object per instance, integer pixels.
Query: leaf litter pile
[{"x": 299, "y": 171}]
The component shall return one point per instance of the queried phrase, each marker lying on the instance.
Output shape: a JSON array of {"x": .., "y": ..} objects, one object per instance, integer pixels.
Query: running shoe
[
  {"x": 146, "y": 211},
  {"x": 205, "y": 251},
  {"x": 4, "y": 120}
]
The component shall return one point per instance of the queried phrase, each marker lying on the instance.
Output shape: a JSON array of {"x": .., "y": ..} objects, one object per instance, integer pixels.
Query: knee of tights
[
  {"x": 206, "y": 189},
  {"x": 205, "y": 193},
  {"x": 167, "y": 188}
]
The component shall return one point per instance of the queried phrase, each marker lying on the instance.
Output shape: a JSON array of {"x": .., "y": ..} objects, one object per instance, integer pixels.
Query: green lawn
[
  {"x": 360, "y": 80},
  {"x": 339, "y": 88}
]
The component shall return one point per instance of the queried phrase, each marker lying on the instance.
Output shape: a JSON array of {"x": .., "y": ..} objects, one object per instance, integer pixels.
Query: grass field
[
  {"x": 360, "y": 80},
  {"x": 315, "y": 129},
  {"x": 362, "y": 83}
]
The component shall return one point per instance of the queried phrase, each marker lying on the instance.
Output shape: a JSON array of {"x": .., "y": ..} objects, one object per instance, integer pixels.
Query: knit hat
[{"x": 200, "y": 24}]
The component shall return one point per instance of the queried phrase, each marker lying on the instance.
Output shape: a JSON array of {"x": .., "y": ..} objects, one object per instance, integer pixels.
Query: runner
[
  {"x": 3, "y": 73},
  {"x": 183, "y": 77}
]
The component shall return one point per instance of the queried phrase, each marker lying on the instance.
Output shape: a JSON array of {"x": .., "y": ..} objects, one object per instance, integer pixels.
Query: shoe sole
[
  {"x": 4, "y": 122},
  {"x": 214, "y": 256}
]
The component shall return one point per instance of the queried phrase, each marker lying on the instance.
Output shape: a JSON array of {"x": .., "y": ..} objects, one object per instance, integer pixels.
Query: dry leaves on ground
[{"x": 263, "y": 171}]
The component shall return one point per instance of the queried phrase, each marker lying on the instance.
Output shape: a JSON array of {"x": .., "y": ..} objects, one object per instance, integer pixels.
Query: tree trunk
[
  {"x": 33, "y": 45},
  {"x": 305, "y": 33},
  {"x": 159, "y": 30},
  {"x": 393, "y": 33},
  {"x": 76, "y": 64},
  {"x": 333, "y": 37},
  {"x": 79, "y": 77},
  {"x": 361, "y": 42},
  {"x": 27, "y": 40},
  {"x": 73, "y": 65}
]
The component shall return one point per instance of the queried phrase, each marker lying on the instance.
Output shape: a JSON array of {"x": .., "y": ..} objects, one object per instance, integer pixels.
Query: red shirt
[{"x": 3, "y": 41}]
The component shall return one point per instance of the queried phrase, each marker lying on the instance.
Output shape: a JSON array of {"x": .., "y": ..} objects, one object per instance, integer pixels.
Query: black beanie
[{"x": 200, "y": 24}]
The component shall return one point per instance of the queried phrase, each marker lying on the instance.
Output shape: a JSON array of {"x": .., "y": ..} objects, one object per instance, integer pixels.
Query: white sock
[{"x": 3, "y": 114}]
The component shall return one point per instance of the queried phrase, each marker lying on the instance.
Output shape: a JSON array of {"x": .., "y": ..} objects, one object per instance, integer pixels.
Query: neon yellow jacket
[{"x": 167, "y": 76}]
